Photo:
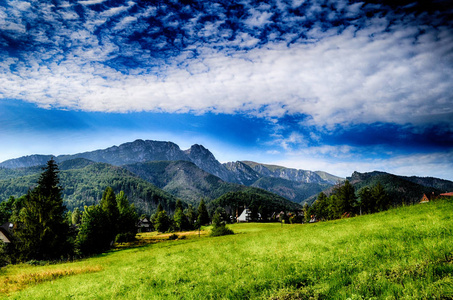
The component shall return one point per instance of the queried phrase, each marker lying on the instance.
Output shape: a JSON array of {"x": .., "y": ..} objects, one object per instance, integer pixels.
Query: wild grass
[{"x": 404, "y": 253}]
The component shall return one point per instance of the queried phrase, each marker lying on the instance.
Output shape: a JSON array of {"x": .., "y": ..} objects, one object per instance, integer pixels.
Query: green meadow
[{"x": 403, "y": 253}]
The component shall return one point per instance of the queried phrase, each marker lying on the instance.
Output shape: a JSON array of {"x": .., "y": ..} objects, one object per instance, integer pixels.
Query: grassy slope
[{"x": 401, "y": 253}]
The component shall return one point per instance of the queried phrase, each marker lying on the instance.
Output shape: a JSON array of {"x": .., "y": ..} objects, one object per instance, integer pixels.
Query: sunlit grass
[{"x": 402, "y": 253}]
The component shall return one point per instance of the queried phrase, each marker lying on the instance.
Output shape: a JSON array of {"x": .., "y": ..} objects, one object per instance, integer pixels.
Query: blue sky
[{"x": 339, "y": 86}]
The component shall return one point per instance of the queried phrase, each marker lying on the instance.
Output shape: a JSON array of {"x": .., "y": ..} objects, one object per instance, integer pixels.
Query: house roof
[
  {"x": 5, "y": 235},
  {"x": 450, "y": 194},
  {"x": 7, "y": 226}
]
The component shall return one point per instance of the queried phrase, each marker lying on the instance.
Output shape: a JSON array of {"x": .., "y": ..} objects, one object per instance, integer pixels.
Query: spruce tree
[
  {"x": 127, "y": 215},
  {"x": 41, "y": 227},
  {"x": 203, "y": 216},
  {"x": 110, "y": 207}
]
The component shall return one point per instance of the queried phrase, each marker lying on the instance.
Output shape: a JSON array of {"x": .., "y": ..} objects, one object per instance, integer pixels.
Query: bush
[
  {"x": 125, "y": 237},
  {"x": 174, "y": 236},
  {"x": 218, "y": 226},
  {"x": 221, "y": 230}
]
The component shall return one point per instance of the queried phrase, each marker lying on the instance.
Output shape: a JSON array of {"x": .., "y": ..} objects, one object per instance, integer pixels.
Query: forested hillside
[
  {"x": 145, "y": 184},
  {"x": 398, "y": 188},
  {"x": 84, "y": 186}
]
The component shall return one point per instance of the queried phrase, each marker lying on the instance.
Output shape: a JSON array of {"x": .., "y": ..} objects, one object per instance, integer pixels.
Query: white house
[{"x": 245, "y": 216}]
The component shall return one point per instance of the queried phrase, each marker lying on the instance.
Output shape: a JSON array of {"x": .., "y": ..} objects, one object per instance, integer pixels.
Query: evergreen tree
[
  {"x": 127, "y": 215},
  {"x": 41, "y": 227},
  {"x": 162, "y": 221},
  {"x": 178, "y": 205},
  {"x": 203, "y": 216},
  {"x": 6, "y": 209},
  {"x": 366, "y": 200},
  {"x": 179, "y": 218},
  {"x": 76, "y": 216},
  {"x": 380, "y": 197},
  {"x": 191, "y": 216},
  {"x": 218, "y": 226},
  {"x": 110, "y": 207},
  {"x": 345, "y": 199},
  {"x": 94, "y": 232},
  {"x": 306, "y": 211},
  {"x": 159, "y": 208}
]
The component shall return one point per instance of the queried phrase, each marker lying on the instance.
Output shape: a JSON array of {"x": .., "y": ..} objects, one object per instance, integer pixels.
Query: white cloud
[
  {"x": 91, "y": 2},
  {"x": 357, "y": 76}
]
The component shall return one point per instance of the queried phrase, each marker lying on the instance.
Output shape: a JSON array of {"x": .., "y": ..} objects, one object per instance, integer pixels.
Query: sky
[{"x": 338, "y": 86}]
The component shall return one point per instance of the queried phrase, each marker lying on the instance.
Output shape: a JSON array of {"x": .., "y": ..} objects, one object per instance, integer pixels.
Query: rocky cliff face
[
  {"x": 243, "y": 173},
  {"x": 285, "y": 173}
]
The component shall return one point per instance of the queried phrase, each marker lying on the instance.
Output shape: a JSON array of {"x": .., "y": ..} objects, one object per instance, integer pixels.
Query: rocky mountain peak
[{"x": 204, "y": 159}]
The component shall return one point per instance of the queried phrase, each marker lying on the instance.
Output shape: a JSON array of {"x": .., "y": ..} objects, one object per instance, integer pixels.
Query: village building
[
  {"x": 5, "y": 232},
  {"x": 424, "y": 199},
  {"x": 144, "y": 225},
  {"x": 450, "y": 194},
  {"x": 246, "y": 216}
]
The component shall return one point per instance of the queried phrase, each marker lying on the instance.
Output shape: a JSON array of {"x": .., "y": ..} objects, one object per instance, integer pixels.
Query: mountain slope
[
  {"x": 285, "y": 173},
  {"x": 84, "y": 186},
  {"x": 182, "y": 179},
  {"x": 242, "y": 172},
  {"x": 295, "y": 191}
]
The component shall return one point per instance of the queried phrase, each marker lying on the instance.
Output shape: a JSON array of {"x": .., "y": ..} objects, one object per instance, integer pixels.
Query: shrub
[
  {"x": 174, "y": 236},
  {"x": 221, "y": 230},
  {"x": 218, "y": 227},
  {"x": 125, "y": 237}
]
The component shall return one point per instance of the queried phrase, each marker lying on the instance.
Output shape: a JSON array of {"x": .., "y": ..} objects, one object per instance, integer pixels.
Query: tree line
[{"x": 343, "y": 202}]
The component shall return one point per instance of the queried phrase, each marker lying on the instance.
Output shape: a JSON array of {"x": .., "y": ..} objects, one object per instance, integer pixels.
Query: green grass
[{"x": 404, "y": 253}]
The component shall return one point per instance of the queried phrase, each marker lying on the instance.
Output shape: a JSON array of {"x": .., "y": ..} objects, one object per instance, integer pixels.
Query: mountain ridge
[
  {"x": 240, "y": 172},
  {"x": 196, "y": 173}
]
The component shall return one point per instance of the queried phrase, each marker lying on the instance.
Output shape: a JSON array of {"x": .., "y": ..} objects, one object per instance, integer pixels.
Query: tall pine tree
[{"x": 41, "y": 228}]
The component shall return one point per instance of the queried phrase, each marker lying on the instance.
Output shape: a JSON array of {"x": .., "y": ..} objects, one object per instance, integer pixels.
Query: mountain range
[
  {"x": 295, "y": 185},
  {"x": 154, "y": 171}
]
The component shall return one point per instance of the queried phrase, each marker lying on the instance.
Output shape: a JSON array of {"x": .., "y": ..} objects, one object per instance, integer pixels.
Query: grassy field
[{"x": 404, "y": 253}]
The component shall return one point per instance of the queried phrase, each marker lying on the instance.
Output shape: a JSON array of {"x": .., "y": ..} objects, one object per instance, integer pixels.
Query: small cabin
[
  {"x": 424, "y": 199},
  {"x": 144, "y": 225}
]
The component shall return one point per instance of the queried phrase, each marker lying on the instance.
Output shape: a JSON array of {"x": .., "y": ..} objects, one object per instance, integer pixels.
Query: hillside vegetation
[{"x": 401, "y": 253}]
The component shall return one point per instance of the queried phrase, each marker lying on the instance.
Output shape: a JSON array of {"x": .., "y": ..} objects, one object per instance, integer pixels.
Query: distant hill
[
  {"x": 442, "y": 185},
  {"x": 26, "y": 161},
  {"x": 400, "y": 189}
]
